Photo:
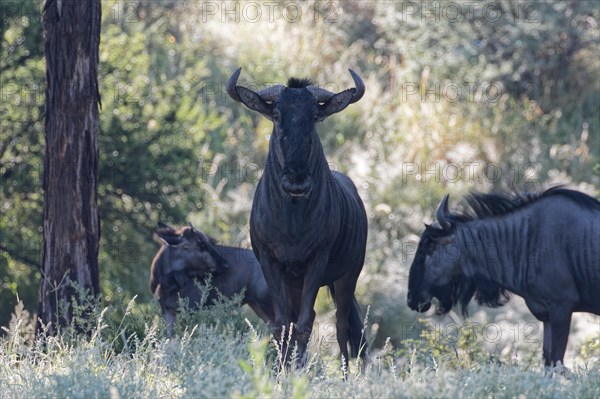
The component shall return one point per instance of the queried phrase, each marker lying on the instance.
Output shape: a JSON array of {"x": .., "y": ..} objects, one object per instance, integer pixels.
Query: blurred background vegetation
[{"x": 460, "y": 96}]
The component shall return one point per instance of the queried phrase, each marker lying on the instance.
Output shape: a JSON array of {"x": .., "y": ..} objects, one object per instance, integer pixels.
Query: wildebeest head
[
  {"x": 421, "y": 292},
  {"x": 433, "y": 271},
  {"x": 294, "y": 111},
  {"x": 188, "y": 249},
  {"x": 441, "y": 254}
]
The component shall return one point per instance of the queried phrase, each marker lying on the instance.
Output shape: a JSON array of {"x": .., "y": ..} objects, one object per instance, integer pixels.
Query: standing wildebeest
[
  {"x": 308, "y": 224},
  {"x": 188, "y": 254},
  {"x": 542, "y": 247}
]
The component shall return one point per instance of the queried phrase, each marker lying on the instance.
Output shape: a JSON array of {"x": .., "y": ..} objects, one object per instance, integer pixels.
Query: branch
[
  {"x": 20, "y": 258},
  {"x": 129, "y": 215}
]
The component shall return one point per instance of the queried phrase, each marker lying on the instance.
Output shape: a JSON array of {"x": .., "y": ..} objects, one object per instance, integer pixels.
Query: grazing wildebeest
[
  {"x": 308, "y": 224},
  {"x": 189, "y": 254},
  {"x": 542, "y": 247}
]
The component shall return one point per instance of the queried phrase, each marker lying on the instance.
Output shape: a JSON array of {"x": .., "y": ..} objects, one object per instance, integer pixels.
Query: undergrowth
[{"x": 217, "y": 353}]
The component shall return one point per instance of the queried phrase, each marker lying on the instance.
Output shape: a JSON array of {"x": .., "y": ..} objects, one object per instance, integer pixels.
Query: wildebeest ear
[
  {"x": 336, "y": 103},
  {"x": 253, "y": 101},
  {"x": 168, "y": 236},
  {"x": 189, "y": 232},
  {"x": 162, "y": 225}
]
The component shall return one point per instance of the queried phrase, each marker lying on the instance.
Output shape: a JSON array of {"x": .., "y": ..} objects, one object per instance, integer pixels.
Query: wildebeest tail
[{"x": 358, "y": 342}]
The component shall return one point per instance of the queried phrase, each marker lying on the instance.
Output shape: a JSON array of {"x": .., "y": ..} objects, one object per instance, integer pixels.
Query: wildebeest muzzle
[
  {"x": 419, "y": 301},
  {"x": 296, "y": 185}
]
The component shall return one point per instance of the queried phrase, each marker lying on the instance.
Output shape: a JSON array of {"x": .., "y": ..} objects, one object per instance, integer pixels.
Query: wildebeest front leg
[
  {"x": 547, "y": 343},
  {"x": 560, "y": 323},
  {"x": 540, "y": 311},
  {"x": 282, "y": 303},
  {"x": 170, "y": 319},
  {"x": 313, "y": 280}
]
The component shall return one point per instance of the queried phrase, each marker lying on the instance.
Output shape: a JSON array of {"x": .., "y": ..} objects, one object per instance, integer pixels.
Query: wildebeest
[
  {"x": 308, "y": 225},
  {"x": 189, "y": 254},
  {"x": 542, "y": 246}
]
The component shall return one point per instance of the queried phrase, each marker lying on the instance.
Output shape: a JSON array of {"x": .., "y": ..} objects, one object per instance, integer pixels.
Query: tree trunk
[{"x": 71, "y": 219}]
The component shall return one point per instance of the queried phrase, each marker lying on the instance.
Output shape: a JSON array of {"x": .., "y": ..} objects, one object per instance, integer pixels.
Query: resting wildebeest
[
  {"x": 189, "y": 254},
  {"x": 543, "y": 247},
  {"x": 308, "y": 224}
]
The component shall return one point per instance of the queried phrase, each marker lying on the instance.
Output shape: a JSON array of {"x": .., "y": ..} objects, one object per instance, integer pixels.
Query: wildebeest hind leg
[
  {"x": 263, "y": 311},
  {"x": 344, "y": 295}
]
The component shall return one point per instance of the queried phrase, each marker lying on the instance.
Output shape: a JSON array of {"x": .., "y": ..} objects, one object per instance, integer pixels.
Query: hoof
[{"x": 558, "y": 369}]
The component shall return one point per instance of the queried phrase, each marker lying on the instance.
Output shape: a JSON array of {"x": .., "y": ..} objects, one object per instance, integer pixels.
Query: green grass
[{"x": 219, "y": 354}]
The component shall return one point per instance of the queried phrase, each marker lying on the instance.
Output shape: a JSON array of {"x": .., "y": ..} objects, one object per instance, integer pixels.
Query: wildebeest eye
[
  {"x": 202, "y": 245},
  {"x": 276, "y": 116},
  {"x": 430, "y": 247}
]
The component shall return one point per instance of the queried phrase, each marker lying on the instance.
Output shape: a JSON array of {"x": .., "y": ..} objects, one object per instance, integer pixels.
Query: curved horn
[
  {"x": 360, "y": 87},
  {"x": 268, "y": 94},
  {"x": 322, "y": 95},
  {"x": 442, "y": 214},
  {"x": 232, "y": 83}
]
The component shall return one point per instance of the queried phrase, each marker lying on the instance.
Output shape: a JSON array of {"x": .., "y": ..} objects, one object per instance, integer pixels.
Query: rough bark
[{"x": 71, "y": 232}]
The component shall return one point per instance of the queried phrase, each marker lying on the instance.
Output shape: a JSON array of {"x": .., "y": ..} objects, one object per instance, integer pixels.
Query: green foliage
[
  {"x": 21, "y": 152},
  {"x": 591, "y": 349}
]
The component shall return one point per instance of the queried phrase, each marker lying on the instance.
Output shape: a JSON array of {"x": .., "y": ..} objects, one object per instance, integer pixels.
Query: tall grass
[{"x": 218, "y": 354}]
